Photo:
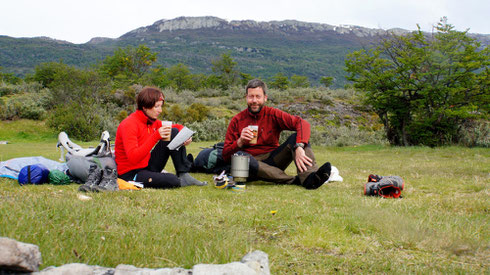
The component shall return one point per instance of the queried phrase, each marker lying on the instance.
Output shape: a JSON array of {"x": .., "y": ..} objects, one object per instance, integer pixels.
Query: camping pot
[{"x": 239, "y": 167}]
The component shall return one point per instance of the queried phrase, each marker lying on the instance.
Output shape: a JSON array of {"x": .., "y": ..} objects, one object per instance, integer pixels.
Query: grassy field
[{"x": 441, "y": 225}]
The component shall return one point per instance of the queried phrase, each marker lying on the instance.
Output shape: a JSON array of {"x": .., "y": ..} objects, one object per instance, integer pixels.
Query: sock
[
  {"x": 186, "y": 180},
  {"x": 319, "y": 177}
]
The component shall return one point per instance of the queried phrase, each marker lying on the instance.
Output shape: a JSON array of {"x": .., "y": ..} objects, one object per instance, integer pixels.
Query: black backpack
[{"x": 210, "y": 160}]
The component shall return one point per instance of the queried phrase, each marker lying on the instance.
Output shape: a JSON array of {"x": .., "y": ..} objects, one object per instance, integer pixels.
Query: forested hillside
[{"x": 261, "y": 49}]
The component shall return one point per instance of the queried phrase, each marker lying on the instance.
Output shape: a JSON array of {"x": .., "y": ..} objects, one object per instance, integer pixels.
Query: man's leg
[
  {"x": 259, "y": 170},
  {"x": 282, "y": 157}
]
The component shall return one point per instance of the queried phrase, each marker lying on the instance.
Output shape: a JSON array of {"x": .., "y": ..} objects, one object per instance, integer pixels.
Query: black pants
[
  {"x": 271, "y": 166},
  {"x": 151, "y": 176}
]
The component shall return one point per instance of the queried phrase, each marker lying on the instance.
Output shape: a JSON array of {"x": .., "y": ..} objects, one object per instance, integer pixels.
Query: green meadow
[{"x": 441, "y": 225}]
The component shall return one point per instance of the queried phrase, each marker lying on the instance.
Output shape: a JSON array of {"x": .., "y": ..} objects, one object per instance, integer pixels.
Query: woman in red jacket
[{"x": 140, "y": 150}]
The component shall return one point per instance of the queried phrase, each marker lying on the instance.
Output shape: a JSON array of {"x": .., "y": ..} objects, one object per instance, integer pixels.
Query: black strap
[{"x": 28, "y": 174}]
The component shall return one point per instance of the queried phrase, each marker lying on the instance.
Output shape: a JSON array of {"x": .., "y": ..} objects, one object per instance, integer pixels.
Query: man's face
[{"x": 255, "y": 99}]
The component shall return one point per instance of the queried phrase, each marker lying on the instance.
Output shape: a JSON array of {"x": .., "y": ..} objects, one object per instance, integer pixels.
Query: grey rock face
[
  {"x": 258, "y": 261},
  {"x": 132, "y": 270},
  {"x": 285, "y": 26},
  {"x": 18, "y": 256},
  {"x": 21, "y": 257},
  {"x": 235, "y": 268},
  {"x": 76, "y": 268}
]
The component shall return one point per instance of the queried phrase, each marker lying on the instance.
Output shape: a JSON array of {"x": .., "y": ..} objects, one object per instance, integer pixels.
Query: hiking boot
[
  {"x": 393, "y": 180},
  {"x": 374, "y": 178},
  {"x": 187, "y": 180},
  {"x": 371, "y": 188},
  {"x": 93, "y": 179},
  {"x": 318, "y": 178},
  {"x": 109, "y": 180},
  {"x": 374, "y": 188}
]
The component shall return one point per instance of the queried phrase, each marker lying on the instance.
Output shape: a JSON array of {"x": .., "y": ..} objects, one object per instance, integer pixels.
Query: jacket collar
[
  {"x": 141, "y": 116},
  {"x": 257, "y": 115}
]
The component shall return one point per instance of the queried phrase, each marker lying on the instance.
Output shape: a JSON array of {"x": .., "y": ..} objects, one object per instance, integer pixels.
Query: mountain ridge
[{"x": 261, "y": 49}]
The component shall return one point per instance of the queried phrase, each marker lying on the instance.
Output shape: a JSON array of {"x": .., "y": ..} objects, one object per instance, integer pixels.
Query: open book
[{"x": 180, "y": 138}]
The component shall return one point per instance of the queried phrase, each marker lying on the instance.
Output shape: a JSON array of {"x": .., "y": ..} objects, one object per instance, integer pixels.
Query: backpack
[
  {"x": 80, "y": 159},
  {"x": 79, "y": 166},
  {"x": 210, "y": 160},
  {"x": 384, "y": 186},
  {"x": 33, "y": 174}
]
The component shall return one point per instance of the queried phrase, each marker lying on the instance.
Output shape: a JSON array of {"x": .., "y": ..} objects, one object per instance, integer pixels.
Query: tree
[
  {"x": 81, "y": 104},
  {"x": 45, "y": 73},
  {"x": 423, "y": 87},
  {"x": 9, "y": 78},
  {"x": 129, "y": 64},
  {"x": 299, "y": 81},
  {"x": 326, "y": 81},
  {"x": 226, "y": 70},
  {"x": 245, "y": 78},
  {"x": 180, "y": 78},
  {"x": 279, "y": 81},
  {"x": 156, "y": 76}
]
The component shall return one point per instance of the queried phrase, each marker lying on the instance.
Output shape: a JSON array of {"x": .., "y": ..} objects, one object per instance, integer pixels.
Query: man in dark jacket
[{"x": 268, "y": 159}]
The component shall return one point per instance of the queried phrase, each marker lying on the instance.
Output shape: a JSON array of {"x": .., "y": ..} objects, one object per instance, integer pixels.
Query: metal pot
[{"x": 239, "y": 167}]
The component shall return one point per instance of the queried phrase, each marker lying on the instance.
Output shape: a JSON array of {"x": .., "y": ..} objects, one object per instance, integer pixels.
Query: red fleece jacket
[
  {"x": 135, "y": 140},
  {"x": 271, "y": 122}
]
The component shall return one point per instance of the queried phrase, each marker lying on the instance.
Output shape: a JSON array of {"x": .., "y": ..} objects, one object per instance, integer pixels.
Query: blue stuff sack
[{"x": 33, "y": 174}]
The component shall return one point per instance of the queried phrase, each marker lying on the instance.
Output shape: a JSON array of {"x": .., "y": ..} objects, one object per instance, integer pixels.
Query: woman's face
[{"x": 154, "y": 112}]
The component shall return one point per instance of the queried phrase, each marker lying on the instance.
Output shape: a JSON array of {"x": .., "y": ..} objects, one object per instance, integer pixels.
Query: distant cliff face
[{"x": 286, "y": 26}]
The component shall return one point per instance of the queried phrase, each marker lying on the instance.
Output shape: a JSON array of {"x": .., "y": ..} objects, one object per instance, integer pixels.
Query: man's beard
[{"x": 255, "y": 112}]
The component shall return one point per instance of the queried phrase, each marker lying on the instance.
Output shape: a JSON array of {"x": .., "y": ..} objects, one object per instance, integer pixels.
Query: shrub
[
  {"x": 345, "y": 136},
  {"x": 209, "y": 130},
  {"x": 236, "y": 93},
  {"x": 475, "y": 133},
  {"x": 344, "y": 93},
  {"x": 80, "y": 122},
  {"x": 184, "y": 97},
  {"x": 10, "y": 89},
  {"x": 29, "y": 105},
  {"x": 208, "y": 92},
  {"x": 196, "y": 112}
]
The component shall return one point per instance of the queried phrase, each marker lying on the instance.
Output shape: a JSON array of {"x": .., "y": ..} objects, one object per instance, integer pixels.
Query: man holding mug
[{"x": 268, "y": 159}]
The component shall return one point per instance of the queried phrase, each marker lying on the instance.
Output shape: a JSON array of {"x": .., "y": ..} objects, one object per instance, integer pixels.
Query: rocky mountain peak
[
  {"x": 285, "y": 26},
  {"x": 189, "y": 23}
]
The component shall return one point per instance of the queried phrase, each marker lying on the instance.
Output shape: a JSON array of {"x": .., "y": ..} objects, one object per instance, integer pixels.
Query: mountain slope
[{"x": 261, "y": 49}]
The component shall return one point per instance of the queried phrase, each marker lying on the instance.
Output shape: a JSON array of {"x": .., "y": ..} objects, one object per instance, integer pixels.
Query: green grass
[{"x": 440, "y": 226}]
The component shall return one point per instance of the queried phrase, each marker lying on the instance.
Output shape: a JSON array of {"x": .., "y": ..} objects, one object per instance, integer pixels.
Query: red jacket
[
  {"x": 135, "y": 140},
  {"x": 271, "y": 122}
]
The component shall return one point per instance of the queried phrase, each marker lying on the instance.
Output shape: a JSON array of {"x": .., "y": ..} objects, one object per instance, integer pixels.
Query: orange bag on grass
[{"x": 124, "y": 185}]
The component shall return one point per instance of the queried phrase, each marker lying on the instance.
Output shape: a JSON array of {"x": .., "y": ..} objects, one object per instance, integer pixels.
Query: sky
[{"x": 79, "y": 21}]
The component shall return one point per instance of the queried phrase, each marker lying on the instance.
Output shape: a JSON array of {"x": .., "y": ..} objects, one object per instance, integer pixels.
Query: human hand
[
  {"x": 302, "y": 160},
  {"x": 245, "y": 136},
  {"x": 187, "y": 142},
  {"x": 165, "y": 132}
]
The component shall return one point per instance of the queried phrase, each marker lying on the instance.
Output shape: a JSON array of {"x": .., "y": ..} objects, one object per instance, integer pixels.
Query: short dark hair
[
  {"x": 255, "y": 83},
  {"x": 148, "y": 97}
]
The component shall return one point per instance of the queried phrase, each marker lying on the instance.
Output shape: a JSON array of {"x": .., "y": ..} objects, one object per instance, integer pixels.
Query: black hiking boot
[
  {"x": 93, "y": 179},
  {"x": 319, "y": 177},
  {"x": 109, "y": 180}
]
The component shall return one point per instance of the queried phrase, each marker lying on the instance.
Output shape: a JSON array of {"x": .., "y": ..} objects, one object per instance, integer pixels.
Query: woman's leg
[
  {"x": 152, "y": 179},
  {"x": 160, "y": 154},
  {"x": 157, "y": 180}
]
